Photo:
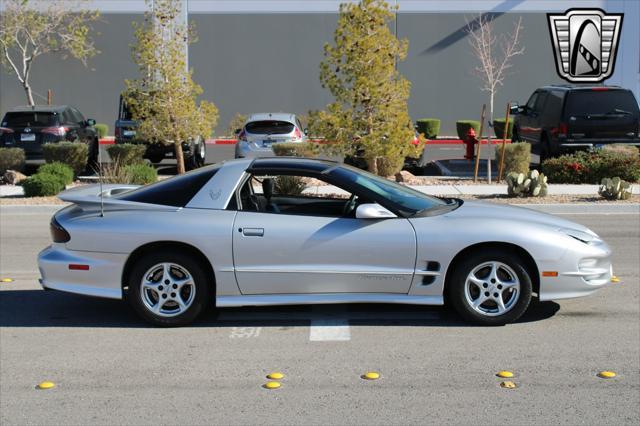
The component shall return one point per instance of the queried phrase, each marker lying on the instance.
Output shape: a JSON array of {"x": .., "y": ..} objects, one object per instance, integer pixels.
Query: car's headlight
[{"x": 585, "y": 237}]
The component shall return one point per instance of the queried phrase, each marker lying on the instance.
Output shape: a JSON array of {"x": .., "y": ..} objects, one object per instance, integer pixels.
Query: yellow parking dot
[
  {"x": 371, "y": 375},
  {"x": 606, "y": 374},
  {"x": 508, "y": 385},
  {"x": 275, "y": 376},
  {"x": 6, "y": 280},
  {"x": 615, "y": 279},
  {"x": 504, "y": 374},
  {"x": 271, "y": 385},
  {"x": 46, "y": 385}
]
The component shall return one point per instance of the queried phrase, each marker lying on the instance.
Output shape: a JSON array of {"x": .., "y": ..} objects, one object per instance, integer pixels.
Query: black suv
[
  {"x": 30, "y": 127},
  {"x": 194, "y": 150},
  {"x": 565, "y": 118}
]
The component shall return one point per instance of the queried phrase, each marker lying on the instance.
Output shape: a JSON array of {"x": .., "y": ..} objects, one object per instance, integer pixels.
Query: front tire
[
  {"x": 169, "y": 289},
  {"x": 490, "y": 287}
]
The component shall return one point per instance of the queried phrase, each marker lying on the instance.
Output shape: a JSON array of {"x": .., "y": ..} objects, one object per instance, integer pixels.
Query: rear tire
[
  {"x": 490, "y": 287},
  {"x": 197, "y": 158},
  {"x": 169, "y": 289}
]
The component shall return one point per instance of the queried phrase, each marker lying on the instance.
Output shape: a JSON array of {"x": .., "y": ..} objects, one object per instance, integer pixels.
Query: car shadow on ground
[{"x": 39, "y": 308}]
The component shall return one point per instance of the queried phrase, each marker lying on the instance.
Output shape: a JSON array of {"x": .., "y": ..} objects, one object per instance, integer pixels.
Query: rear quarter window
[{"x": 176, "y": 191}]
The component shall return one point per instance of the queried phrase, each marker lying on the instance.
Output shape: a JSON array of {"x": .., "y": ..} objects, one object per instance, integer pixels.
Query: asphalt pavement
[{"x": 111, "y": 368}]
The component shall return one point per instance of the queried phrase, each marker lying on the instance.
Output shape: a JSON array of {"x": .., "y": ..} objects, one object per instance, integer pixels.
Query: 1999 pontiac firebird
[{"x": 284, "y": 231}]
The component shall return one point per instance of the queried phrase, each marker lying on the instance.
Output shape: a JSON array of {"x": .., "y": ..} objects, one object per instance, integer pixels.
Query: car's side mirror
[
  {"x": 306, "y": 131},
  {"x": 91, "y": 122},
  {"x": 373, "y": 211},
  {"x": 237, "y": 131},
  {"x": 515, "y": 109}
]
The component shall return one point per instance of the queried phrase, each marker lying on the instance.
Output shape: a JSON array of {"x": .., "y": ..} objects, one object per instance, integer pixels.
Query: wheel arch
[
  {"x": 530, "y": 263},
  {"x": 166, "y": 245}
]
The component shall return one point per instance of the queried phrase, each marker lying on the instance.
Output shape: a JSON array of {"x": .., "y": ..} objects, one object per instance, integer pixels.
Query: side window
[
  {"x": 531, "y": 103},
  {"x": 542, "y": 97},
  {"x": 78, "y": 117},
  {"x": 67, "y": 118},
  {"x": 295, "y": 195},
  {"x": 553, "y": 106}
]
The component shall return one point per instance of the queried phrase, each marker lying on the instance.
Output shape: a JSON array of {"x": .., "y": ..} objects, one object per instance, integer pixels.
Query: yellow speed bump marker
[
  {"x": 6, "y": 280},
  {"x": 46, "y": 385},
  {"x": 508, "y": 385},
  {"x": 271, "y": 385},
  {"x": 504, "y": 374},
  {"x": 606, "y": 374},
  {"x": 371, "y": 375},
  {"x": 615, "y": 279},
  {"x": 275, "y": 376}
]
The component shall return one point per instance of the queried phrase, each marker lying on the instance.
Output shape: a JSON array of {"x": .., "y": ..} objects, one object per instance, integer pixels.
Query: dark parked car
[
  {"x": 125, "y": 132},
  {"x": 30, "y": 127},
  {"x": 565, "y": 118}
]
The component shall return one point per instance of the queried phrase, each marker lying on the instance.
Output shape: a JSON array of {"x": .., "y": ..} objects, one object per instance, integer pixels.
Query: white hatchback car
[{"x": 262, "y": 130}]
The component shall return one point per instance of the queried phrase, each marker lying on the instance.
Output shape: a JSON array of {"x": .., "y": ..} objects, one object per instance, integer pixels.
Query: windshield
[
  {"x": 596, "y": 102},
  {"x": 26, "y": 119},
  {"x": 407, "y": 199},
  {"x": 269, "y": 127}
]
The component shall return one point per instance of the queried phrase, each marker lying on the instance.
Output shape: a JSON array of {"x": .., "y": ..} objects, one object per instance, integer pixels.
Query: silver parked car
[
  {"x": 281, "y": 231},
  {"x": 261, "y": 131}
]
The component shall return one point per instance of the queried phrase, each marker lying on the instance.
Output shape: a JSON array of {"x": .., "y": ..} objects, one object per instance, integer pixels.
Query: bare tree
[
  {"x": 29, "y": 29},
  {"x": 493, "y": 53}
]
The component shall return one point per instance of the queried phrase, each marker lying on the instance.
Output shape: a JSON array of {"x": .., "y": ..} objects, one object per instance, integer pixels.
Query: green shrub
[
  {"x": 102, "y": 129},
  {"x": 429, "y": 127},
  {"x": 289, "y": 149},
  {"x": 462, "y": 127},
  {"x": 75, "y": 155},
  {"x": 289, "y": 185},
  {"x": 58, "y": 169},
  {"x": 11, "y": 159},
  {"x": 127, "y": 153},
  {"x": 498, "y": 128},
  {"x": 517, "y": 157},
  {"x": 42, "y": 185},
  {"x": 592, "y": 166},
  {"x": 140, "y": 174}
]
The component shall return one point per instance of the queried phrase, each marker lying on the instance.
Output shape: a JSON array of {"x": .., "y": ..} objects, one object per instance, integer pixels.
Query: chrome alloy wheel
[
  {"x": 492, "y": 288},
  {"x": 167, "y": 289}
]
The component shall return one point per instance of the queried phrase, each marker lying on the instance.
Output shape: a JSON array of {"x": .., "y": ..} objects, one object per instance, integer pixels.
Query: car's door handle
[{"x": 253, "y": 232}]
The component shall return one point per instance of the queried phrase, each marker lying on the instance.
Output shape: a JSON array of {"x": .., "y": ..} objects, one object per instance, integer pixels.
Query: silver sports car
[{"x": 282, "y": 231}]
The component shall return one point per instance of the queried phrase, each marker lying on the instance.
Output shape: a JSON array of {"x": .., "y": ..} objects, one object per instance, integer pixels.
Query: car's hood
[{"x": 510, "y": 214}]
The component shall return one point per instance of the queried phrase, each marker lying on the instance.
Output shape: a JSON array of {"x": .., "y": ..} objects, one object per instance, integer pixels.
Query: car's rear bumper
[
  {"x": 578, "y": 144},
  {"x": 103, "y": 278}
]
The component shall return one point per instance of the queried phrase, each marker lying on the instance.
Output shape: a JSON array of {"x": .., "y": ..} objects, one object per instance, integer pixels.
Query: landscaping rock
[
  {"x": 13, "y": 177},
  {"x": 405, "y": 177}
]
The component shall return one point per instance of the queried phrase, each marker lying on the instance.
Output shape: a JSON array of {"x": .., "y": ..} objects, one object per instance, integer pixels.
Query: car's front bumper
[
  {"x": 579, "y": 272},
  {"x": 102, "y": 279}
]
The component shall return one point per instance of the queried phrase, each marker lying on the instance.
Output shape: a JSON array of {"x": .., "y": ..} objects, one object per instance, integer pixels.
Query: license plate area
[
  {"x": 28, "y": 137},
  {"x": 129, "y": 132}
]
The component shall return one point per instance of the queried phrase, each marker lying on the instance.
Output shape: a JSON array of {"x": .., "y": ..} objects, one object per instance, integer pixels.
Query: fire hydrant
[{"x": 470, "y": 142}]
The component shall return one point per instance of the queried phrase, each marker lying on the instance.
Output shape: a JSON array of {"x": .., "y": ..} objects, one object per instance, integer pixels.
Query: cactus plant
[
  {"x": 615, "y": 189},
  {"x": 532, "y": 184}
]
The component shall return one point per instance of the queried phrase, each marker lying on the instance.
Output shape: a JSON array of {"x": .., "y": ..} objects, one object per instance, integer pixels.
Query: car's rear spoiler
[{"x": 89, "y": 198}]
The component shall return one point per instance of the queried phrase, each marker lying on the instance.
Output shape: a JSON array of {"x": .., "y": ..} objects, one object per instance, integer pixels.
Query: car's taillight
[
  {"x": 242, "y": 136},
  {"x": 56, "y": 130},
  {"x": 563, "y": 129},
  {"x": 4, "y": 130},
  {"x": 58, "y": 233},
  {"x": 600, "y": 89},
  {"x": 118, "y": 132},
  {"x": 296, "y": 133}
]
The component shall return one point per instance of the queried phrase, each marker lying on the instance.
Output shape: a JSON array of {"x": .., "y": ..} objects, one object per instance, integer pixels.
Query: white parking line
[{"x": 323, "y": 330}]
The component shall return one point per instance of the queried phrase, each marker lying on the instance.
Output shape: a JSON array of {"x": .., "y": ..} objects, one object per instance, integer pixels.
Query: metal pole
[
  {"x": 49, "y": 97},
  {"x": 504, "y": 141},
  {"x": 475, "y": 170}
]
